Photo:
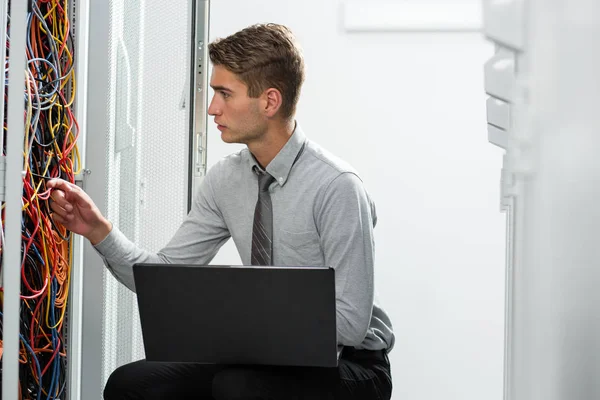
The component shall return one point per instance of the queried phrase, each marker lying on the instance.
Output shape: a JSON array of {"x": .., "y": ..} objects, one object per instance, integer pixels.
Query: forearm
[
  {"x": 197, "y": 240},
  {"x": 120, "y": 254}
]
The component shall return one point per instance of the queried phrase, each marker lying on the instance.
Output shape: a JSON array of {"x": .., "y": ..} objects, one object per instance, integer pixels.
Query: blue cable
[{"x": 37, "y": 363}]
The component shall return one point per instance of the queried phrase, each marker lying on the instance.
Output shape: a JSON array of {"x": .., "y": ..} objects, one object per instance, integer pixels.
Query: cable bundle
[{"x": 50, "y": 151}]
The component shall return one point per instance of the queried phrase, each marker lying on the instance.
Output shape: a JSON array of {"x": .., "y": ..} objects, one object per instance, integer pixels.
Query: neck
[{"x": 272, "y": 142}]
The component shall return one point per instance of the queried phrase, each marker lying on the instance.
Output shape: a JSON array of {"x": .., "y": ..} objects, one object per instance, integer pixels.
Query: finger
[
  {"x": 72, "y": 193},
  {"x": 62, "y": 212},
  {"x": 59, "y": 219},
  {"x": 59, "y": 198},
  {"x": 57, "y": 183}
]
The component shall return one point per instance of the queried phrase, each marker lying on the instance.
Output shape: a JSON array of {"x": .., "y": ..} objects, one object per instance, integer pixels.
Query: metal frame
[
  {"x": 513, "y": 224},
  {"x": 96, "y": 126},
  {"x": 200, "y": 12},
  {"x": 88, "y": 308},
  {"x": 80, "y": 19},
  {"x": 3, "y": 20},
  {"x": 14, "y": 191}
]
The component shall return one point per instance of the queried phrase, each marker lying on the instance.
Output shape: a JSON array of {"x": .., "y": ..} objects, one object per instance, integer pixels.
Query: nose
[{"x": 213, "y": 108}]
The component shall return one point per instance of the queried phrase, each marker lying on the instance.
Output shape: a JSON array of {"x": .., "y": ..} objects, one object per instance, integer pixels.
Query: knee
[
  {"x": 117, "y": 384},
  {"x": 129, "y": 381},
  {"x": 234, "y": 384}
]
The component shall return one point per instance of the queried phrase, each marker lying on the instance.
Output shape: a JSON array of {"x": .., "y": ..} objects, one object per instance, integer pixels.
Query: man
[{"x": 318, "y": 214}]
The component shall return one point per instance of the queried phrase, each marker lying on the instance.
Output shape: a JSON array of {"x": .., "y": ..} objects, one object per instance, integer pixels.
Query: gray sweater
[{"x": 322, "y": 216}]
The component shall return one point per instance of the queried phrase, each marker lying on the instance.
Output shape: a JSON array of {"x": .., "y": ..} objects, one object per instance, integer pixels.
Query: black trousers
[{"x": 360, "y": 375}]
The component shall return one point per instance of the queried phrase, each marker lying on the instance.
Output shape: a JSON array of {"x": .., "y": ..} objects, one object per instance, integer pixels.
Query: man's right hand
[{"x": 76, "y": 211}]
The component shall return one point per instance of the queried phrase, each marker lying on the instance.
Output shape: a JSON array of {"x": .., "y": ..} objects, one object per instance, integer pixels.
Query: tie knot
[{"x": 264, "y": 181}]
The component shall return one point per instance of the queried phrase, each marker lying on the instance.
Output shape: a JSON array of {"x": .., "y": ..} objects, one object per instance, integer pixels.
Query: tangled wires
[{"x": 50, "y": 151}]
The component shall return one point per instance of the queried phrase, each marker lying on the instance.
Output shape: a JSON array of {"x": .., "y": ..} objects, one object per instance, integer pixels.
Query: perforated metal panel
[{"x": 148, "y": 137}]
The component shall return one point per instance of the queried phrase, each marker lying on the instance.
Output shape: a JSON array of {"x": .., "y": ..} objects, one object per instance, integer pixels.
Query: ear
[{"x": 273, "y": 101}]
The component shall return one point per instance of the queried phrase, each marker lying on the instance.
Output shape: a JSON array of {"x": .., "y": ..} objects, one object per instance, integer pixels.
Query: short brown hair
[{"x": 263, "y": 56}]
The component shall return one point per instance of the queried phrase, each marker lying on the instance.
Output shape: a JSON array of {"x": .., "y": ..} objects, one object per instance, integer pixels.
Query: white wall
[{"x": 408, "y": 111}]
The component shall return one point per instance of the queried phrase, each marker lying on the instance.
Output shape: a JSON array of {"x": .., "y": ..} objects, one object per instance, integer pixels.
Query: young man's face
[{"x": 237, "y": 116}]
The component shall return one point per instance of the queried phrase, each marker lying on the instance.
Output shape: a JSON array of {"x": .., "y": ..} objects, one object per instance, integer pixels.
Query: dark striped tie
[{"x": 262, "y": 228}]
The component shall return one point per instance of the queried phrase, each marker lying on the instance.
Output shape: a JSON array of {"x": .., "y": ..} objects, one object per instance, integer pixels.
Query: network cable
[{"x": 50, "y": 151}]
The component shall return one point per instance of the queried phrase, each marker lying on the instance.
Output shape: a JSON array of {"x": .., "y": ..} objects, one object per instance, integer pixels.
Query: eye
[{"x": 225, "y": 94}]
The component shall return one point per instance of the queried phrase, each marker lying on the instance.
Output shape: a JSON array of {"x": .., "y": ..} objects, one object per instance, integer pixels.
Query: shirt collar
[{"x": 281, "y": 165}]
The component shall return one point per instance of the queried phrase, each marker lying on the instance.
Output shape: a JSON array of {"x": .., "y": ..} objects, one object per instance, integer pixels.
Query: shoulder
[
  {"x": 337, "y": 179},
  {"x": 325, "y": 164},
  {"x": 229, "y": 165}
]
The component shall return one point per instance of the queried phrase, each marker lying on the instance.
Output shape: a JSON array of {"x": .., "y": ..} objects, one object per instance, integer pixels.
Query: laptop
[{"x": 218, "y": 314}]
